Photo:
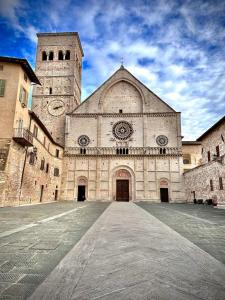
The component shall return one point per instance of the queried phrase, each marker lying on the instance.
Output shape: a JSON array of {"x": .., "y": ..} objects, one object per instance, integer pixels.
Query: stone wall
[{"x": 145, "y": 172}]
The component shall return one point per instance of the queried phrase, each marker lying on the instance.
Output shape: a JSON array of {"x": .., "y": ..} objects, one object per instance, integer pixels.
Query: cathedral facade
[{"x": 122, "y": 143}]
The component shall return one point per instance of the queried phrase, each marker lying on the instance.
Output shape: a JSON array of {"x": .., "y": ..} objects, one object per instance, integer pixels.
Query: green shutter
[{"x": 2, "y": 87}]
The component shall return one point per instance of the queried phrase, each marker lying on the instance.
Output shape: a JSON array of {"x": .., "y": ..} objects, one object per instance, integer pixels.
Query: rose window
[
  {"x": 83, "y": 140},
  {"x": 122, "y": 130},
  {"x": 162, "y": 140}
]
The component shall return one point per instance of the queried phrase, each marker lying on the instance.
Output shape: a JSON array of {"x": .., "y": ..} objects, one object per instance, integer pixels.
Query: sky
[{"x": 176, "y": 47}]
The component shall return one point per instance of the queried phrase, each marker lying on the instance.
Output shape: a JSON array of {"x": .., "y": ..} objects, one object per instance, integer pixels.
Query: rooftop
[
  {"x": 217, "y": 124},
  {"x": 24, "y": 64}
]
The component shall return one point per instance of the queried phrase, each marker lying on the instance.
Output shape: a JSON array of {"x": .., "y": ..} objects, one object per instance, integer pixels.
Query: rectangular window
[
  {"x": 25, "y": 77},
  {"x": 218, "y": 151},
  {"x": 23, "y": 96},
  {"x": 56, "y": 172},
  {"x": 32, "y": 158},
  {"x": 211, "y": 185},
  {"x": 1, "y": 67},
  {"x": 44, "y": 141},
  {"x": 47, "y": 168},
  {"x": 35, "y": 131},
  {"x": 221, "y": 183},
  {"x": 2, "y": 87},
  {"x": 57, "y": 152},
  {"x": 209, "y": 157},
  {"x": 42, "y": 164}
]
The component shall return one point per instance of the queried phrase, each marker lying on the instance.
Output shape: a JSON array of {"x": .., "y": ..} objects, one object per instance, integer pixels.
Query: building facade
[
  {"x": 207, "y": 181},
  {"x": 123, "y": 143},
  {"x": 24, "y": 141}
]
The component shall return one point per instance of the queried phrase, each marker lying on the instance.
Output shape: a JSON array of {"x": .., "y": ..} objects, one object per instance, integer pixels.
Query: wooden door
[
  {"x": 122, "y": 190},
  {"x": 164, "y": 195}
]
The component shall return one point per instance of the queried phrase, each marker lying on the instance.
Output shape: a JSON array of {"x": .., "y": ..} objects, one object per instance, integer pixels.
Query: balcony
[{"x": 23, "y": 137}]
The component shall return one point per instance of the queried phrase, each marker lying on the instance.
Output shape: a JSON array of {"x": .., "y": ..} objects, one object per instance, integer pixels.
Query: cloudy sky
[{"x": 174, "y": 47}]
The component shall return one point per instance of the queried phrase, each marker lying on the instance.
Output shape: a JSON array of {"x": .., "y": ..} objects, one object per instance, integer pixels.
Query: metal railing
[{"x": 23, "y": 134}]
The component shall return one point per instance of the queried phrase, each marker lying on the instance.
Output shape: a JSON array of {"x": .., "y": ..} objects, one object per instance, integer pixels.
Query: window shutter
[{"x": 2, "y": 87}]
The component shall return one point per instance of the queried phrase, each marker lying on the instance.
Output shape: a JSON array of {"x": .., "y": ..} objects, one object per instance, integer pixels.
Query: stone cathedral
[{"x": 123, "y": 143}]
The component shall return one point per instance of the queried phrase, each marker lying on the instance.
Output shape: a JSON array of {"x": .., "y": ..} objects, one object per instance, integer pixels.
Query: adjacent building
[
  {"x": 192, "y": 154},
  {"x": 24, "y": 141},
  {"x": 207, "y": 181}
]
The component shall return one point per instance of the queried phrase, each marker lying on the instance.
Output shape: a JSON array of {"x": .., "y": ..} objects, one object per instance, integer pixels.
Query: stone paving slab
[
  {"x": 129, "y": 254},
  {"x": 202, "y": 225},
  {"x": 28, "y": 256}
]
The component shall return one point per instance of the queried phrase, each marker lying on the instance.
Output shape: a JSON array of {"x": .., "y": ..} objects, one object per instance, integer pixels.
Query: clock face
[{"x": 56, "y": 107}]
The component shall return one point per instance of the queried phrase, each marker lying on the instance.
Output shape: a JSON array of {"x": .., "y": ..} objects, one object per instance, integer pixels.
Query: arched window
[
  {"x": 51, "y": 55},
  {"x": 67, "y": 57},
  {"x": 44, "y": 55},
  {"x": 60, "y": 55},
  {"x": 186, "y": 159}
]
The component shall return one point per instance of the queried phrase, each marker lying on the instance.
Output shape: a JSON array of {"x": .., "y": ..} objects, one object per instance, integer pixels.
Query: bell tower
[{"x": 58, "y": 68}]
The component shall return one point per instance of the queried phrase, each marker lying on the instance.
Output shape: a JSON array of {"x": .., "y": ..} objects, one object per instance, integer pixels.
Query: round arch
[
  {"x": 81, "y": 188},
  {"x": 164, "y": 189},
  {"x": 122, "y": 173},
  {"x": 105, "y": 91}
]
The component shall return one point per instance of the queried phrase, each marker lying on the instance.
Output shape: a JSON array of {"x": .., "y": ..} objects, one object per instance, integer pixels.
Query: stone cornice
[{"x": 123, "y": 115}]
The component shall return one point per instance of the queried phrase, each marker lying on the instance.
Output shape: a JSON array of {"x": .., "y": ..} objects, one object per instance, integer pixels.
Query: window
[
  {"x": 25, "y": 77},
  {"x": 209, "y": 156},
  {"x": 211, "y": 185},
  {"x": 44, "y": 141},
  {"x": 186, "y": 159},
  {"x": 50, "y": 91},
  {"x": 162, "y": 151},
  {"x": 42, "y": 164},
  {"x": 67, "y": 57},
  {"x": 51, "y": 55},
  {"x": 35, "y": 131},
  {"x": 1, "y": 67},
  {"x": 32, "y": 158},
  {"x": 57, "y": 152},
  {"x": 122, "y": 151},
  {"x": 23, "y": 96},
  {"x": 82, "y": 151},
  {"x": 221, "y": 183},
  {"x": 60, "y": 55},
  {"x": 2, "y": 87},
  {"x": 47, "y": 168},
  {"x": 218, "y": 151},
  {"x": 120, "y": 111},
  {"x": 56, "y": 172},
  {"x": 44, "y": 55}
]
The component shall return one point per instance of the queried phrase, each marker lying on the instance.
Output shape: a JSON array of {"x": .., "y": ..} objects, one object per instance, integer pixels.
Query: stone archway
[
  {"x": 122, "y": 184},
  {"x": 164, "y": 190},
  {"x": 82, "y": 190}
]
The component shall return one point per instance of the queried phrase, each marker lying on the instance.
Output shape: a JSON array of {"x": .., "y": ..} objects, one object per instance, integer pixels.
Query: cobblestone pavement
[
  {"x": 202, "y": 225},
  {"x": 28, "y": 255}
]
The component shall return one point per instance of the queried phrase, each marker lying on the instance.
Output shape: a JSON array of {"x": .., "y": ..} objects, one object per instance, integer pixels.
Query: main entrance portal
[{"x": 122, "y": 190}]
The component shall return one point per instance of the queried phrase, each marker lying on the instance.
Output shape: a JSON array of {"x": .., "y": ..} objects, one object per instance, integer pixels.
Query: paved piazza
[{"x": 112, "y": 251}]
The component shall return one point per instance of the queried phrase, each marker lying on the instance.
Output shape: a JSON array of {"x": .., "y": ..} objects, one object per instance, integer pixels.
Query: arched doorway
[
  {"x": 164, "y": 190},
  {"x": 122, "y": 185},
  {"x": 81, "y": 188}
]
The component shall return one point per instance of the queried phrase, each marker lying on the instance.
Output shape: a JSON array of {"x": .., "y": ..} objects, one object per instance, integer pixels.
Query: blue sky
[{"x": 174, "y": 47}]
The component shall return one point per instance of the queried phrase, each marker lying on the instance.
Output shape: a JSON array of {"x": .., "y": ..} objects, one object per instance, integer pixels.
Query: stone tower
[{"x": 58, "y": 67}]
